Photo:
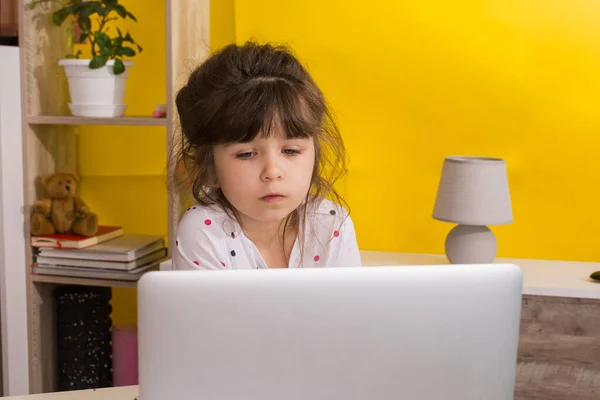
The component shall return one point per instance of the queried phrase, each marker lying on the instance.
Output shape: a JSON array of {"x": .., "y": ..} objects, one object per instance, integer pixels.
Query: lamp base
[{"x": 470, "y": 244}]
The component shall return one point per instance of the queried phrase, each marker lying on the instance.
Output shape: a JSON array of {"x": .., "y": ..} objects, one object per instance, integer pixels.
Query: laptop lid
[{"x": 410, "y": 332}]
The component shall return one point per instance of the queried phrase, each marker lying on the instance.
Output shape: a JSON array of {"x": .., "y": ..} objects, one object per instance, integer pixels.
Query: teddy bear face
[{"x": 60, "y": 186}]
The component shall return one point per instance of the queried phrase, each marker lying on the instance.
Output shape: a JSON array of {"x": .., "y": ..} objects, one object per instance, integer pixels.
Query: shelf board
[
  {"x": 70, "y": 280},
  {"x": 71, "y": 120}
]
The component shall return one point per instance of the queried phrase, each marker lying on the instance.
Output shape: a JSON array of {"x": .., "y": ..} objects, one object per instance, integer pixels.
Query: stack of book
[{"x": 109, "y": 255}]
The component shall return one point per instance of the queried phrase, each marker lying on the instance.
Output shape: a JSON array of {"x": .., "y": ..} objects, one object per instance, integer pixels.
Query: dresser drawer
[{"x": 559, "y": 349}]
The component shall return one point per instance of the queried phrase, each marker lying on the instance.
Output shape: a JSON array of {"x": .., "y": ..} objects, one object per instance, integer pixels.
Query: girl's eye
[
  {"x": 291, "y": 152},
  {"x": 245, "y": 156}
]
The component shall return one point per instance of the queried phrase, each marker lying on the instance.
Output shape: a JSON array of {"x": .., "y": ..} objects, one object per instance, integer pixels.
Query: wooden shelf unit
[
  {"x": 49, "y": 136},
  {"x": 70, "y": 280}
]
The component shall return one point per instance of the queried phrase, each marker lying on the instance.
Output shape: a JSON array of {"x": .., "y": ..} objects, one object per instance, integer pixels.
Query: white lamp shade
[{"x": 473, "y": 191}]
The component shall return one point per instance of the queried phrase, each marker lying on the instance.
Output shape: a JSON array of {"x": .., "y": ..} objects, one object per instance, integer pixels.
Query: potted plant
[{"x": 96, "y": 85}]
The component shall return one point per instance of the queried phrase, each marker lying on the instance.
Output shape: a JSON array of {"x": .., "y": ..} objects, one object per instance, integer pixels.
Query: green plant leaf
[
  {"x": 59, "y": 16},
  {"x": 118, "y": 67},
  {"x": 103, "y": 12},
  {"x": 121, "y": 11},
  {"x": 125, "y": 51},
  {"x": 94, "y": 4},
  {"x": 85, "y": 10},
  {"x": 70, "y": 55},
  {"x": 85, "y": 24},
  {"x": 140, "y": 49},
  {"x": 76, "y": 7},
  {"x": 106, "y": 52},
  {"x": 98, "y": 62},
  {"x": 110, "y": 2},
  {"x": 98, "y": 7},
  {"x": 78, "y": 54},
  {"x": 101, "y": 39},
  {"x": 83, "y": 37},
  {"x": 130, "y": 15}
]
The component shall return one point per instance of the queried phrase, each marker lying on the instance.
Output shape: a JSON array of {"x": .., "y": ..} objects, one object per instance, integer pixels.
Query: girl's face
[{"x": 267, "y": 178}]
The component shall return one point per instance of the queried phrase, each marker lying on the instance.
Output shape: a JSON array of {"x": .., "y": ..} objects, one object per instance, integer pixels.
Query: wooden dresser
[{"x": 559, "y": 342}]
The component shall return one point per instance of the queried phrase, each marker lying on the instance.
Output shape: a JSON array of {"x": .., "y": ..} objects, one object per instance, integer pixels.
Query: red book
[{"x": 70, "y": 241}]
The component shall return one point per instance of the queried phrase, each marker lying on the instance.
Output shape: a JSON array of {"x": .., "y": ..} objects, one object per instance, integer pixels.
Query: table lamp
[{"x": 473, "y": 193}]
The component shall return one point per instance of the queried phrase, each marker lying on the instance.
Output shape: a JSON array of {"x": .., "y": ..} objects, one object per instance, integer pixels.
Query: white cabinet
[{"x": 13, "y": 268}]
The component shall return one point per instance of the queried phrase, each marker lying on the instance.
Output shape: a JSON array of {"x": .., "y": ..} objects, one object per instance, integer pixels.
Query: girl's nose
[{"x": 271, "y": 170}]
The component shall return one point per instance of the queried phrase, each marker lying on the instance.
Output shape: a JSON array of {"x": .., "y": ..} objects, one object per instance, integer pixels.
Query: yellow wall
[
  {"x": 412, "y": 82},
  {"x": 222, "y": 23}
]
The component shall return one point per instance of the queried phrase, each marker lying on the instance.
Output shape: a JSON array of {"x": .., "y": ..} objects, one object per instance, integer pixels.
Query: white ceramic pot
[{"x": 95, "y": 92}]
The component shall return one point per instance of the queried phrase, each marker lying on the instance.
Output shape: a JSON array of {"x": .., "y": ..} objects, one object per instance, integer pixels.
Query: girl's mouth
[{"x": 273, "y": 198}]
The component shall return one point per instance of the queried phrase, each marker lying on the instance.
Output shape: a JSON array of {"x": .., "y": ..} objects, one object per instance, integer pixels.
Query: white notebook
[
  {"x": 125, "y": 248},
  {"x": 95, "y": 273},
  {"x": 102, "y": 264}
]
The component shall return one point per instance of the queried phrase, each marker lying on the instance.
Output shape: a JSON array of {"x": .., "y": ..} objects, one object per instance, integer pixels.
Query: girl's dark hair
[{"x": 239, "y": 92}]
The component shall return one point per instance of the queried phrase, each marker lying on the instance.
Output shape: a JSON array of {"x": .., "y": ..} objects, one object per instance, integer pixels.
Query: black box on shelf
[{"x": 83, "y": 337}]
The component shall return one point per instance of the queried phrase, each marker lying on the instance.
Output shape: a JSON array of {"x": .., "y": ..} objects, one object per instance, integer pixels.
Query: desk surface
[
  {"x": 540, "y": 277},
  {"x": 119, "y": 393}
]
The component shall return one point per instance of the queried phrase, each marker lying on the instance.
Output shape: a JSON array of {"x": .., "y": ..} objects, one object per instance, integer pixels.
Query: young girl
[{"x": 263, "y": 154}]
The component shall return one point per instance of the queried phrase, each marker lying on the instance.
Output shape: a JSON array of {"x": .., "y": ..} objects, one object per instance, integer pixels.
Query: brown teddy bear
[{"x": 63, "y": 212}]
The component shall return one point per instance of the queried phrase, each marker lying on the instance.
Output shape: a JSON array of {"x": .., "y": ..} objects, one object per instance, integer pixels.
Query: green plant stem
[{"x": 102, "y": 23}]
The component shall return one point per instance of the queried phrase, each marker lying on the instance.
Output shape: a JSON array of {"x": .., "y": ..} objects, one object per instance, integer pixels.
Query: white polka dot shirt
[{"x": 208, "y": 239}]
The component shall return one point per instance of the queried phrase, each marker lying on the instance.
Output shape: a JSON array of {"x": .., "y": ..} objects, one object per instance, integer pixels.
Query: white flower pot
[{"x": 95, "y": 92}]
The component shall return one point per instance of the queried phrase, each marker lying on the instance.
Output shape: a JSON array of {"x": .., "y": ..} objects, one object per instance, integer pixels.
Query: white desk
[
  {"x": 559, "y": 341},
  {"x": 540, "y": 277}
]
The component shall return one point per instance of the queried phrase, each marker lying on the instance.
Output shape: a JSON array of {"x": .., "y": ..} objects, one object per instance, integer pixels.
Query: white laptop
[{"x": 413, "y": 332}]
